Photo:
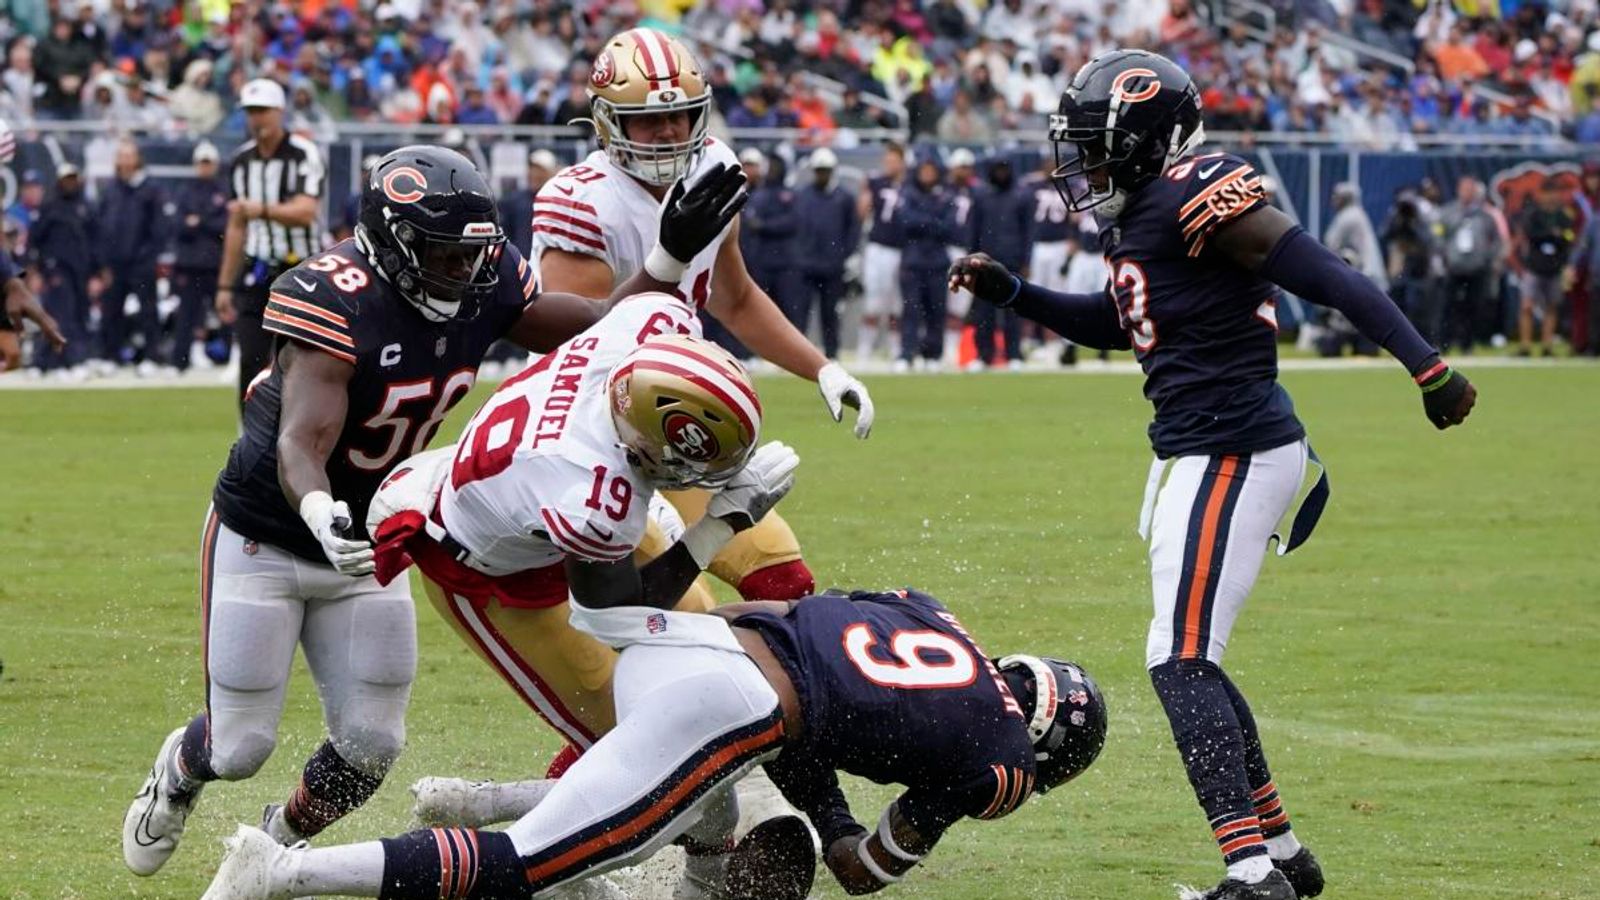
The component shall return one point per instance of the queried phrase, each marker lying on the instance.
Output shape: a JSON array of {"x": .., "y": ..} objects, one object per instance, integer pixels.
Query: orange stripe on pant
[
  {"x": 208, "y": 548},
  {"x": 1195, "y": 602},
  {"x": 665, "y": 806}
]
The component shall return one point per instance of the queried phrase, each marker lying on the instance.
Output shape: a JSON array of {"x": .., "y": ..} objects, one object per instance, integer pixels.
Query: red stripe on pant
[{"x": 552, "y": 710}]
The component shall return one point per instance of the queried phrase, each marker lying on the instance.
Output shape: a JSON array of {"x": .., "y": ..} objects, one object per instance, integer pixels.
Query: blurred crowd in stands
[{"x": 957, "y": 70}]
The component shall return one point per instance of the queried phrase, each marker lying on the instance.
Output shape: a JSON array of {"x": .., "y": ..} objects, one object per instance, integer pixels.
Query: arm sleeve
[
  {"x": 1307, "y": 269},
  {"x": 1087, "y": 319},
  {"x": 990, "y": 794},
  {"x": 813, "y": 788}
]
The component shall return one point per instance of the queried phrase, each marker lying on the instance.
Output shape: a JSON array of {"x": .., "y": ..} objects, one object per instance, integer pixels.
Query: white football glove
[
  {"x": 758, "y": 487},
  {"x": 329, "y": 521},
  {"x": 413, "y": 485},
  {"x": 840, "y": 389}
]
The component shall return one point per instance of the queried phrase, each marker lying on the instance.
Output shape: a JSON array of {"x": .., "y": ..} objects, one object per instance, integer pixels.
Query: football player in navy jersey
[
  {"x": 885, "y": 686},
  {"x": 1196, "y": 255},
  {"x": 376, "y": 339}
]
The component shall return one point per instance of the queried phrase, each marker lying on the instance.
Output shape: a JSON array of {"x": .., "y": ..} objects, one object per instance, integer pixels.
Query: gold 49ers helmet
[
  {"x": 685, "y": 410},
  {"x": 643, "y": 71}
]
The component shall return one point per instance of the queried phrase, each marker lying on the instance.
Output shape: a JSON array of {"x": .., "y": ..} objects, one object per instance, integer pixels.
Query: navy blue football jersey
[
  {"x": 1051, "y": 224},
  {"x": 1204, "y": 329},
  {"x": 409, "y": 372},
  {"x": 8, "y": 271},
  {"x": 885, "y": 197},
  {"x": 894, "y": 689}
]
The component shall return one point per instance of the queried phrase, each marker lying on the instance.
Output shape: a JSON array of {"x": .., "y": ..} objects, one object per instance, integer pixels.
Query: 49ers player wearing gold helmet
[
  {"x": 594, "y": 223},
  {"x": 548, "y": 491}
]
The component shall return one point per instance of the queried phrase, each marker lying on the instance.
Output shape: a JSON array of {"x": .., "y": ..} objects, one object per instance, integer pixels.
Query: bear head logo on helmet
[
  {"x": 430, "y": 226},
  {"x": 1127, "y": 116}
]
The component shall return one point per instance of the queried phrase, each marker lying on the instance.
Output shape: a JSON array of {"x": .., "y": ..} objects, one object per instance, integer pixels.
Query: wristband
[
  {"x": 706, "y": 538},
  {"x": 877, "y": 871},
  {"x": 663, "y": 266},
  {"x": 886, "y": 837}
]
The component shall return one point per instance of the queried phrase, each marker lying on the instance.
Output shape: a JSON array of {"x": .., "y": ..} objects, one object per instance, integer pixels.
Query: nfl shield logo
[
  {"x": 438, "y": 349},
  {"x": 655, "y": 623}
]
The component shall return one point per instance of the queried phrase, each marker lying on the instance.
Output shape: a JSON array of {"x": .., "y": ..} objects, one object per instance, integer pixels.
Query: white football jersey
[
  {"x": 596, "y": 209},
  {"x": 538, "y": 473}
]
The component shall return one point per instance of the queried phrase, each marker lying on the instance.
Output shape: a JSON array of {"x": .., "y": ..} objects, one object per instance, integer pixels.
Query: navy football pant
[{"x": 924, "y": 292}]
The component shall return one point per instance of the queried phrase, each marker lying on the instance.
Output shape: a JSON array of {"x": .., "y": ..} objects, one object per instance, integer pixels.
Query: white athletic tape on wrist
[
  {"x": 886, "y": 837},
  {"x": 706, "y": 538},
  {"x": 314, "y": 503},
  {"x": 663, "y": 266},
  {"x": 877, "y": 871}
]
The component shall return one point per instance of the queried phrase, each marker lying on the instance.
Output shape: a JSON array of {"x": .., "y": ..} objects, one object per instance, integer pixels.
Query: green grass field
[{"x": 1425, "y": 670}]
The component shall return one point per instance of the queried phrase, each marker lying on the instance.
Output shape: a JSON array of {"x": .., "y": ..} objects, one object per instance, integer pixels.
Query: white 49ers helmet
[
  {"x": 685, "y": 410},
  {"x": 645, "y": 71}
]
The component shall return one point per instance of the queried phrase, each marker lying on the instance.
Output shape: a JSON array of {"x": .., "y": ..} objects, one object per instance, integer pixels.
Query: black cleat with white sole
[
  {"x": 1303, "y": 872},
  {"x": 1273, "y": 887}
]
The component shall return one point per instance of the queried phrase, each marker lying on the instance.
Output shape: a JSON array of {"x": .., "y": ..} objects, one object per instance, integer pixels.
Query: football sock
[
  {"x": 355, "y": 869},
  {"x": 1268, "y": 807},
  {"x": 451, "y": 864},
  {"x": 193, "y": 765},
  {"x": 1251, "y": 869},
  {"x": 1283, "y": 846},
  {"x": 894, "y": 338},
  {"x": 329, "y": 788},
  {"x": 1208, "y": 736}
]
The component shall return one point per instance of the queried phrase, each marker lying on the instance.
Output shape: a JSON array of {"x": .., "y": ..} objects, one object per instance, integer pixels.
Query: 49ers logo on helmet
[
  {"x": 1119, "y": 85},
  {"x": 605, "y": 69},
  {"x": 394, "y": 189},
  {"x": 689, "y": 438}
]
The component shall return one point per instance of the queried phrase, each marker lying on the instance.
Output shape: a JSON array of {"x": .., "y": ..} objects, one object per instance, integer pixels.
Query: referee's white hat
[{"x": 262, "y": 93}]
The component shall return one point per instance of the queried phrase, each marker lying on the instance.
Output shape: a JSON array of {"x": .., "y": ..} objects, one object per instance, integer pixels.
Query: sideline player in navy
[
  {"x": 1195, "y": 251},
  {"x": 885, "y": 686},
  {"x": 376, "y": 339}
]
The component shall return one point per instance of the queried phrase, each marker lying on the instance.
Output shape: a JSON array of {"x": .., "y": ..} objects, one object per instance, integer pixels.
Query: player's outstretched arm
[
  {"x": 315, "y": 400},
  {"x": 865, "y": 863},
  {"x": 1089, "y": 320},
  {"x": 1269, "y": 243},
  {"x": 746, "y": 310}
]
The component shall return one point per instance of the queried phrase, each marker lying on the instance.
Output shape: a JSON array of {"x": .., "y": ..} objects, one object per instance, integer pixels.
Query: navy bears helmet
[
  {"x": 1127, "y": 116},
  {"x": 430, "y": 226},
  {"x": 1066, "y": 715}
]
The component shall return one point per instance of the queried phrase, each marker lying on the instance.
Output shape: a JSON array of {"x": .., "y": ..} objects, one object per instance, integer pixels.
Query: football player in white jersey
[
  {"x": 547, "y": 493},
  {"x": 593, "y": 225}
]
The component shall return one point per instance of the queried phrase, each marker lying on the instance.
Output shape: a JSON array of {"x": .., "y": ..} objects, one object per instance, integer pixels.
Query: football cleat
[
  {"x": 1303, "y": 872},
  {"x": 154, "y": 823},
  {"x": 777, "y": 860},
  {"x": 278, "y": 828},
  {"x": 247, "y": 867},
  {"x": 475, "y": 804},
  {"x": 1273, "y": 887}
]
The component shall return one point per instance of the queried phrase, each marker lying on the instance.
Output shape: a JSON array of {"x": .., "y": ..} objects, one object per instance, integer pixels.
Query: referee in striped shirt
[{"x": 274, "y": 220}]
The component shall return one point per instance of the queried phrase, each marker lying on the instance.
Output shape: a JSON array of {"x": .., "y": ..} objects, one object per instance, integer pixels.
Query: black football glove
[
  {"x": 692, "y": 217},
  {"x": 1447, "y": 396},
  {"x": 988, "y": 280}
]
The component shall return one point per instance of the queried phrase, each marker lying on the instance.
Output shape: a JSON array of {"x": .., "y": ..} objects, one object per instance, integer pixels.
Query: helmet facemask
[
  {"x": 1096, "y": 145},
  {"x": 657, "y": 164}
]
